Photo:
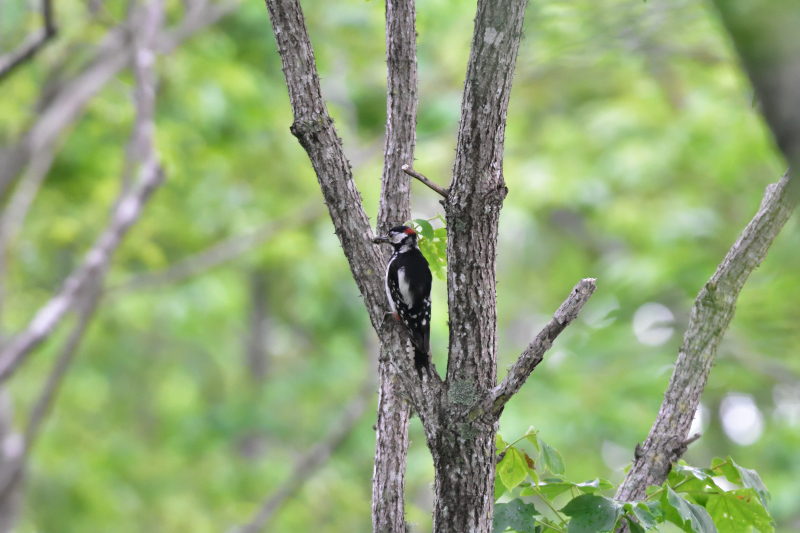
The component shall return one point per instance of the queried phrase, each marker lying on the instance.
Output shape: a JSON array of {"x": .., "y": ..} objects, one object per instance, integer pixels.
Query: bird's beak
[{"x": 380, "y": 240}]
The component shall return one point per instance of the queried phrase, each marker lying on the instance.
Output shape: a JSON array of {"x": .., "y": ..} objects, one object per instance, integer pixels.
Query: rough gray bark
[
  {"x": 712, "y": 312},
  {"x": 314, "y": 129},
  {"x": 463, "y": 446},
  {"x": 391, "y": 451},
  {"x": 391, "y": 428},
  {"x": 477, "y": 191}
]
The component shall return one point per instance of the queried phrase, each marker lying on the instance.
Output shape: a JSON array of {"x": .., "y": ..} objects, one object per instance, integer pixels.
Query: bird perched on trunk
[{"x": 408, "y": 287}]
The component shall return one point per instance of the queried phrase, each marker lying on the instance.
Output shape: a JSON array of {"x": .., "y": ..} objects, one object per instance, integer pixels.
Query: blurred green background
[{"x": 634, "y": 154}]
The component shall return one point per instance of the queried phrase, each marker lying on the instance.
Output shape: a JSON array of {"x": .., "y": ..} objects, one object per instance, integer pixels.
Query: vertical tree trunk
[
  {"x": 391, "y": 448},
  {"x": 464, "y": 452},
  {"x": 464, "y": 461}
]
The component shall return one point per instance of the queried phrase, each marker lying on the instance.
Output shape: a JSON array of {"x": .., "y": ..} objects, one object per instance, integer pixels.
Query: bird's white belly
[{"x": 386, "y": 286}]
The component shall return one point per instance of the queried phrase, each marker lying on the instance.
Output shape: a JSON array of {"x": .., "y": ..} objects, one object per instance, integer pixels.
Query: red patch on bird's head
[{"x": 410, "y": 231}]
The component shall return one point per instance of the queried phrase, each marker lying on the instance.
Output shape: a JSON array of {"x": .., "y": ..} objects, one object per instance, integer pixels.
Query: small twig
[
  {"x": 691, "y": 439},
  {"x": 534, "y": 353},
  {"x": 414, "y": 174},
  {"x": 32, "y": 44}
]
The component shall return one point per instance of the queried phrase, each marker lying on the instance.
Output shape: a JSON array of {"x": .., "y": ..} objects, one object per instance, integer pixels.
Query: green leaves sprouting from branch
[
  {"x": 691, "y": 498},
  {"x": 432, "y": 243}
]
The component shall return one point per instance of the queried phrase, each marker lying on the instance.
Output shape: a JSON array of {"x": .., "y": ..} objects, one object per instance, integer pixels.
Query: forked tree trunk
[{"x": 459, "y": 426}]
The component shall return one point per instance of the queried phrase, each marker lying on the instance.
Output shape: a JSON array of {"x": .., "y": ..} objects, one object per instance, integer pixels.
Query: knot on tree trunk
[{"x": 307, "y": 129}]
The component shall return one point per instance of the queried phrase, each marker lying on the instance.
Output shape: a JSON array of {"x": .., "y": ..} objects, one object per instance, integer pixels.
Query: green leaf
[
  {"x": 648, "y": 513},
  {"x": 534, "y": 476},
  {"x": 751, "y": 480},
  {"x": 550, "y": 489},
  {"x": 512, "y": 469},
  {"x": 635, "y": 526},
  {"x": 515, "y": 514},
  {"x": 592, "y": 514},
  {"x": 440, "y": 245},
  {"x": 424, "y": 227},
  {"x": 551, "y": 459},
  {"x": 532, "y": 437},
  {"x": 499, "y": 443},
  {"x": 741, "y": 476},
  {"x": 739, "y": 511},
  {"x": 499, "y": 488},
  {"x": 681, "y": 471},
  {"x": 590, "y": 487},
  {"x": 688, "y": 516}
]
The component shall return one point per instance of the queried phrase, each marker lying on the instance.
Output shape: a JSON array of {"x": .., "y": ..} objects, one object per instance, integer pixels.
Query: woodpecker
[{"x": 408, "y": 287}]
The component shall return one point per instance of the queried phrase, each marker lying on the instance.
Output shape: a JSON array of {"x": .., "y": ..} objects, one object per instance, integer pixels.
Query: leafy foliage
[
  {"x": 433, "y": 244},
  {"x": 690, "y": 498},
  {"x": 516, "y": 515}
]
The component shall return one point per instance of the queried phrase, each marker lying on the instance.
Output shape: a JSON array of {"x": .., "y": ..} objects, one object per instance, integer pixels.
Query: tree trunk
[
  {"x": 391, "y": 448},
  {"x": 464, "y": 462}
]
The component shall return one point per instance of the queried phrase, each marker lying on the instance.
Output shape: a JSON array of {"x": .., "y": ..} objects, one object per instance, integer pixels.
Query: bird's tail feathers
[{"x": 421, "y": 360}]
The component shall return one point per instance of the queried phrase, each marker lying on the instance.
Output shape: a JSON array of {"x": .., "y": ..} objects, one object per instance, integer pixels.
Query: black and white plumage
[{"x": 408, "y": 287}]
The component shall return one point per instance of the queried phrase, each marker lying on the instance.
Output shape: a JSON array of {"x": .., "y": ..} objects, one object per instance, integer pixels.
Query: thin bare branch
[
  {"x": 312, "y": 460},
  {"x": 32, "y": 44},
  {"x": 217, "y": 254},
  {"x": 391, "y": 442},
  {"x": 535, "y": 351},
  {"x": 126, "y": 212},
  {"x": 414, "y": 174},
  {"x": 711, "y": 314}
]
